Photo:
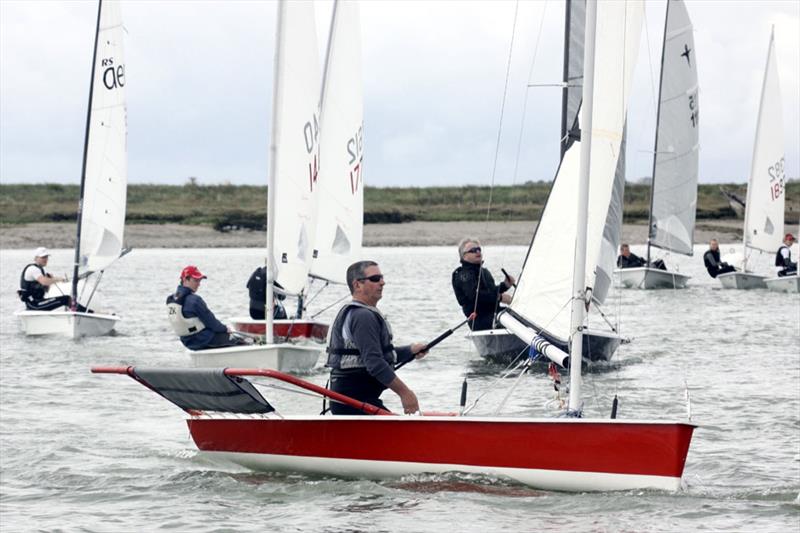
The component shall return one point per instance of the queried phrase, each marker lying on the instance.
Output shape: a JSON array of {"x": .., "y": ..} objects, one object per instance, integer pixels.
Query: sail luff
[{"x": 83, "y": 166}]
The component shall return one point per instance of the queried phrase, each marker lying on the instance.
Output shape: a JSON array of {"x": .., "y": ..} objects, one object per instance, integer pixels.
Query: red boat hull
[
  {"x": 292, "y": 329},
  {"x": 569, "y": 454}
]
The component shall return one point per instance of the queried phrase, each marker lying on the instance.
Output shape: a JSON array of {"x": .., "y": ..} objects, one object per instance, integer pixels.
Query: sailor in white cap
[{"x": 35, "y": 281}]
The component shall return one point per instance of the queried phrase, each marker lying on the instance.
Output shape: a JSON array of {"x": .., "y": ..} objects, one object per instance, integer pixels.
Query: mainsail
[
  {"x": 340, "y": 187},
  {"x": 104, "y": 183},
  {"x": 766, "y": 189},
  {"x": 544, "y": 289},
  {"x": 675, "y": 162},
  {"x": 296, "y": 141}
]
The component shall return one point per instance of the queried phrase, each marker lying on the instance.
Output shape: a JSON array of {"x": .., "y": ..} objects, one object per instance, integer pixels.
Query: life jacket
[
  {"x": 781, "y": 261},
  {"x": 182, "y": 326},
  {"x": 31, "y": 290},
  {"x": 343, "y": 353}
]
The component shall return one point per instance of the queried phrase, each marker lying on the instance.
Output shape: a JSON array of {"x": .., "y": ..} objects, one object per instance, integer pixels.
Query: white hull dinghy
[
  {"x": 650, "y": 278},
  {"x": 502, "y": 347},
  {"x": 544, "y": 453},
  {"x": 742, "y": 281},
  {"x": 789, "y": 284},
  {"x": 103, "y": 192},
  {"x": 72, "y": 324},
  {"x": 284, "y": 357}
]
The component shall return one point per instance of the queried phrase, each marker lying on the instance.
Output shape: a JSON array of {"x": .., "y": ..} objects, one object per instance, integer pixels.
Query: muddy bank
[{"x": 62, "y": 235}]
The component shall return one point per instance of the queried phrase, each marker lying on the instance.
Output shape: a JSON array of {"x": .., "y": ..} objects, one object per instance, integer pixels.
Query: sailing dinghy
[
  {"x": 315, "y": 212},
  {"x": 673, "y": 196},
  {"x": 766, "y": 194},
  {"x": 104, "y": 176},
  {"x": 501, "y": 345},
  {"x": 229, "y": 418}
]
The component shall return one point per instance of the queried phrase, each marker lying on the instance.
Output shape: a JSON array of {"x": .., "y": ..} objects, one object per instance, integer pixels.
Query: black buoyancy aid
[
  {"x": 781, "y": 261},
  {"x": 342, "y": 352},
  {"x": 31, "y": 290}
]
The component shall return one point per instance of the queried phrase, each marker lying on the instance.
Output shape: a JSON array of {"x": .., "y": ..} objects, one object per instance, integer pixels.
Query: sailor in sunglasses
[
  {"x": 475, "y": 288},
  {"x": 361, "y": 355}
]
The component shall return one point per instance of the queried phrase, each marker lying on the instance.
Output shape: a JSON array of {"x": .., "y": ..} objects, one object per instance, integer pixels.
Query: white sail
[
  {"x": 340, "y": 192},
  {"x": 296, "y": 130},
  {"x": 544, "y": 289},
  {"x": 106, "y": 165},
  {"x": 765, "y": 192},
  {"x": 674, "y": 195}
]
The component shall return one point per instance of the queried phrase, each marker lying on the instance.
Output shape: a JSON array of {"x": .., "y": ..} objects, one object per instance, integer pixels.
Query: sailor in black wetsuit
[
  {"x": 712, "y": 261},
  {"x": 475, "y": 288},
  {"x": 783, "y": 258},
  {"x": 35, "y": 281},
  {"x": 626, "y": 259},
  {"x": 257, "y": 289},
  {"x": 360, "y": 351},
  {"x": 192, "y": 320}
]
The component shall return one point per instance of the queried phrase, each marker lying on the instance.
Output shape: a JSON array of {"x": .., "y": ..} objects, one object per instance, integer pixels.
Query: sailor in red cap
[
  {"x": 783, "y": 257},
  {"x": 191, "y": 318}
]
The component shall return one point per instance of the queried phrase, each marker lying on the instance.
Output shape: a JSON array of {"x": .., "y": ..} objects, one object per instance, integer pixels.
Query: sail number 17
[{"x": 777, "y": 178}]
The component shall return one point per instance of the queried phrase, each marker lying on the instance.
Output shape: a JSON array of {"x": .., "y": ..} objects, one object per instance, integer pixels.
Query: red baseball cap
[
  {"x": 192, "y": 271},
  {"x": 789, "y": 236}
]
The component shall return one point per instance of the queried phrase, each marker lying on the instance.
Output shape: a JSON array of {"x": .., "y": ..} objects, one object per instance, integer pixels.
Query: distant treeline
[{"x": 244, "y": 206}]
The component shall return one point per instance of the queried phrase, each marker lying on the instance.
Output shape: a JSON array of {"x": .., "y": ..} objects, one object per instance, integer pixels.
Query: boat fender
[{"x": 182, "y": 326}]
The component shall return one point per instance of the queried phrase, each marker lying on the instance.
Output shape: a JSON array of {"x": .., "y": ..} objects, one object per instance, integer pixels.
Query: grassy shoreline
[{"x": 243, "y": 206}]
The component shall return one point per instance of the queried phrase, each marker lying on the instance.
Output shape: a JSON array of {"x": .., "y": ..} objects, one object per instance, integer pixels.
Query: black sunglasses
[
  {"x": 374, "y": 279},
  {"x": 474, "y": 250}
]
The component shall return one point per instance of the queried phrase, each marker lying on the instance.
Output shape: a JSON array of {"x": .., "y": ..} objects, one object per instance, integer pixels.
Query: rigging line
[
  {"x": 497, "y": 146},
  {"x": 315, "y": 315},
  {"x": 491, "y": 385}
]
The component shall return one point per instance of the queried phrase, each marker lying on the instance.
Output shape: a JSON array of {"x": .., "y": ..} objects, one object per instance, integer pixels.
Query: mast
[
  {"x": 655, "y": 143},
  {"x": 579, "y": 278},
  {"x": 273, "y": 154},
  {"x": 74, "y": 291}
]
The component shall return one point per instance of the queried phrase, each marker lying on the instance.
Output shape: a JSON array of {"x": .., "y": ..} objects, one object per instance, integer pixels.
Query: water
[{"x": 101, "y": 453}]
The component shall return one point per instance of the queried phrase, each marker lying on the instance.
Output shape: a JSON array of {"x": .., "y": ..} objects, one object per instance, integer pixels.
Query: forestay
[
  {"x": 106, "y": 163},
  {"x": 765, "y": 192},
  {"x": 296, "y": 142},
  {"x": 544, "y": 289},
  {"x": 674, "y": 195},
  {"x": 340, "y": 187}
]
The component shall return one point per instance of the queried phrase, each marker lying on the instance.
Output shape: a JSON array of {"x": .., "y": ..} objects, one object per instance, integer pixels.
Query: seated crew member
[
  {"x": 191, "y": 319},
  {"x": 712, "y": 261},
  {"x": 35, "y": 282},
  {"x": 626, "y": 259},
  {"x": 783, "y": 257},
  {"x": 257, "y": 288},
  {"x": 360, "y": 351},
  {"x": 474, "y": 286}
]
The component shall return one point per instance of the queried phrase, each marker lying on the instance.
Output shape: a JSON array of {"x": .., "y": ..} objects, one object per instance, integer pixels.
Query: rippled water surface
[{"x": 101, "y": 453}]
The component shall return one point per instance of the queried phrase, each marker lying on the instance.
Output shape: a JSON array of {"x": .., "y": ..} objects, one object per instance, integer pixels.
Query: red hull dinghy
[{"x": 550, "y": 454}]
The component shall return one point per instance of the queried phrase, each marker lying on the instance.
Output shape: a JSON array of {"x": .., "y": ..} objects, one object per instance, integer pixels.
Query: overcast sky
[{"x": 199, "y": 78}]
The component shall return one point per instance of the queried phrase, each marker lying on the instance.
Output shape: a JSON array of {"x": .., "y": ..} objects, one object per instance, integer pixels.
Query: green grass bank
[{"x": 244, "y": 206}]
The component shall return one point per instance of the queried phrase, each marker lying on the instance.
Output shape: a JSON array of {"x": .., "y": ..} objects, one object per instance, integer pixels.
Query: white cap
[{"x": 41, "y": 252}]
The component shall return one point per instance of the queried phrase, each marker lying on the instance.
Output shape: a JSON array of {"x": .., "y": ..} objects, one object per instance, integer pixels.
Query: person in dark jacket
[
  {"x": 475, "y": 288},
  {"x": 257, "y": 289},
  {"x": 35, "y": 283},
  {"x": 627, "y": 259},
  {"x": 783, "y": 257},
  {"x": 712, "y": 261},
  {"x": 360, "y": 351},
  {"x": 192, "y": 320}
]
